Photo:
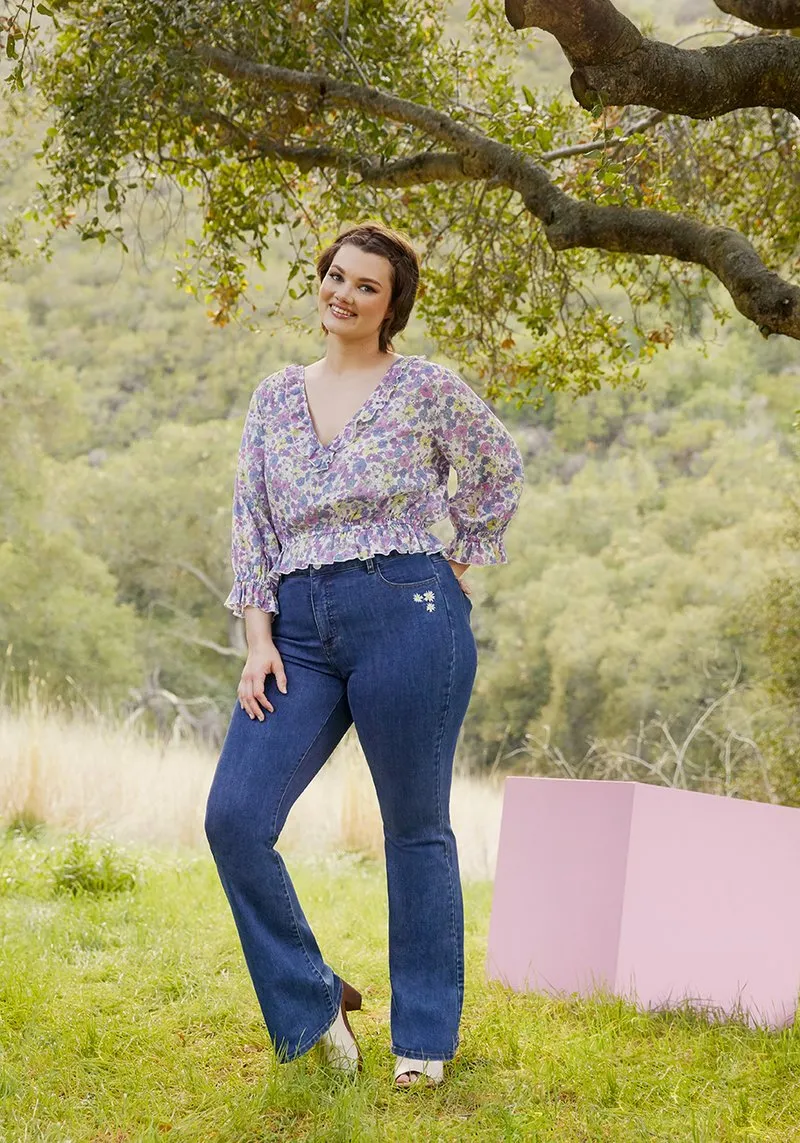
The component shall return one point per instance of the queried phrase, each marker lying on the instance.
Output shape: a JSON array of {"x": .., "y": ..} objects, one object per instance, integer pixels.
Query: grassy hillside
[{"x": 128, "y": 1017}]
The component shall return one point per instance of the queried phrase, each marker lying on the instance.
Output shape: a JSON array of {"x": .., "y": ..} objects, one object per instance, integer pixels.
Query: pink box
[{"x": 662, "y": 896}]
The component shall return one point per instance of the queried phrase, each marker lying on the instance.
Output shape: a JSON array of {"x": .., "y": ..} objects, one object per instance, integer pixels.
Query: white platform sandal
[
  {"x": 338, "y": 1045},
  {"x": 432, "y": 1071}
]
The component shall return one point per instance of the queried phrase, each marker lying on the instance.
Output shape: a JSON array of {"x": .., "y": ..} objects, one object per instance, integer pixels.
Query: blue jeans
[{"x": 386, "y": 643}]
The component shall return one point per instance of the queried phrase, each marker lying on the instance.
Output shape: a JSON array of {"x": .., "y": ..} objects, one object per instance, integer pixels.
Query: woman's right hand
[{"x": 261, "y": 661}]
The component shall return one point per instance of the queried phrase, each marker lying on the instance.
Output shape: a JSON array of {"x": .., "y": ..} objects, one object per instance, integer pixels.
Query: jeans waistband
[{"x": 365, "y": 562}]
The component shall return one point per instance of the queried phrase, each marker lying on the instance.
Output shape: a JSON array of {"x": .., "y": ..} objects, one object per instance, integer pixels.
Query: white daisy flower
[
  {"x": 428, "y": 595},
  {"x": 417, "y": 597},
  {"x": 431, "y": 607}
]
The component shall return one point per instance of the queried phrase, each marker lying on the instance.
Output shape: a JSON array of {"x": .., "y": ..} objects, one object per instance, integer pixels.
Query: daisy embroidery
[{"x": 426, "y": 597}]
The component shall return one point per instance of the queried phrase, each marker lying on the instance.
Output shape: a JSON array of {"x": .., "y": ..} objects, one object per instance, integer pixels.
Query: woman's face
[{"x": 355, "y": 294}]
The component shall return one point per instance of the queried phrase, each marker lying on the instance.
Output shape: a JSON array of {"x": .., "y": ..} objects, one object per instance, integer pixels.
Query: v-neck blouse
[{"x": 377, "y": 486}]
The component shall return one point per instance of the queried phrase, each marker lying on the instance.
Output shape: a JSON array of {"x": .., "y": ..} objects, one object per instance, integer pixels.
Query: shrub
[{"x": 81, "y": 866}]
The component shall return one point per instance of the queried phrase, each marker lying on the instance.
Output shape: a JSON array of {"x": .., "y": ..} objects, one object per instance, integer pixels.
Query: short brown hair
[{"x": 375, "y": 238}]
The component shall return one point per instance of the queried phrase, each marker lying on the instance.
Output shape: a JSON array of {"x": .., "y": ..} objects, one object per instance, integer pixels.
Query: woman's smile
[{"x": 355, "y": 296}]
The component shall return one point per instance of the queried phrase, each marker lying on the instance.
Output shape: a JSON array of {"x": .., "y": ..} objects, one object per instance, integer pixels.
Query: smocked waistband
[{"x": 366, "y": 562}]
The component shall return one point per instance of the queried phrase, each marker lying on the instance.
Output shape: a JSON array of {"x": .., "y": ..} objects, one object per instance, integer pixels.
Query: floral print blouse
[{"x": 376, "y": 486}]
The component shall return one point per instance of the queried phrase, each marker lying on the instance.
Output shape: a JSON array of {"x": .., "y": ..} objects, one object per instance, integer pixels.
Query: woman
[{"x": 355, "y": 612}]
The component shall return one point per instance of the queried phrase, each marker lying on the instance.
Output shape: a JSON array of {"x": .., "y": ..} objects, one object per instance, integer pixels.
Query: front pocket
[{"x": 408, "y": 569}]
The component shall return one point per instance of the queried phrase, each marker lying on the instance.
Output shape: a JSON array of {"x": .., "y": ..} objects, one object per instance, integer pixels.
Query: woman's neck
[{"x": 351, "y": 357}]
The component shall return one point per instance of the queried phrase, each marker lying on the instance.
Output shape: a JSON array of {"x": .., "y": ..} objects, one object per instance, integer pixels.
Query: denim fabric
[{"x": 384, "y": 642}]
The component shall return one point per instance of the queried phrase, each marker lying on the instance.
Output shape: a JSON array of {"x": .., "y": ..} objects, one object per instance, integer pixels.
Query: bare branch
[
  {"x": 758, "y": 293},
  {"x": 603, "y": 144},
  {"x": 763, "y": 13},
  {"x": 615, "y": 65},
  {"x": 219, "y": 594},
  {"x": 209, "y": 644}
]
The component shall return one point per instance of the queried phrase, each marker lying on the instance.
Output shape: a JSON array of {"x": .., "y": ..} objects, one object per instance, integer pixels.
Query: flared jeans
[{"x": 386, "y": 643}]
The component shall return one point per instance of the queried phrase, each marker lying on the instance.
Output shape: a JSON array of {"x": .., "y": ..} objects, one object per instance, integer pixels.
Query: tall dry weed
[{"x": 78, "y": 771}]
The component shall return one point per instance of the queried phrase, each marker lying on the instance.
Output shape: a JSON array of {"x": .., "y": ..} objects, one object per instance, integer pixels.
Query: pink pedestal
[{"x": 662, "y": 896}]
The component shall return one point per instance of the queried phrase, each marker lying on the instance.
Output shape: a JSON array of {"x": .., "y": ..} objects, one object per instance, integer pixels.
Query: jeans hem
[
  {"x": 423, "y": 1054},
  {"x": 288, "y": 1057}
]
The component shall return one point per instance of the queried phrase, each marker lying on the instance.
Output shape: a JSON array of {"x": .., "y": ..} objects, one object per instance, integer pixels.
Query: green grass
[{"x": 126, "y": 1014}]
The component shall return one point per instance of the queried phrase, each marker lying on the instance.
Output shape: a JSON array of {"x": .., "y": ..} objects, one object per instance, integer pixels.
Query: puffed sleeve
[
  {"x": 490, "y": 471},
  {"x": 254, "y": 545}
]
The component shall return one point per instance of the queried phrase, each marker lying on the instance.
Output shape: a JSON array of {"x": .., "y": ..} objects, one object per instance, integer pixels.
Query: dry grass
[{"x": 77, "y": 771}]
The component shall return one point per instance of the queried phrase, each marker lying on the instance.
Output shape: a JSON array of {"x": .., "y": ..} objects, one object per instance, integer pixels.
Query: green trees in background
[
  {"x": 652, "y": 522},
  {"x": 778, "y": 617},
  {"x": 58, "y": 601},
  {"x": 650, "y": 598}
]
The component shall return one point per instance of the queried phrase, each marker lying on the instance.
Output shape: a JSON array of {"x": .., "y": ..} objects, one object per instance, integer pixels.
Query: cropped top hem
[{"x": 354, "y": 541}]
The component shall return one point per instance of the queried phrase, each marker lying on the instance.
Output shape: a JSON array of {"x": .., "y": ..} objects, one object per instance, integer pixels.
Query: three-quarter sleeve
[
  {"x": 254, "y": 545},
  {"x": 490, "y": 471}
]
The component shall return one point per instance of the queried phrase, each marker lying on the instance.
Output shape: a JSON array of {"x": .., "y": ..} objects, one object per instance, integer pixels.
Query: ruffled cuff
[
  {"x": 477, "y": 548},
  {"x": 260, "y": 593}
]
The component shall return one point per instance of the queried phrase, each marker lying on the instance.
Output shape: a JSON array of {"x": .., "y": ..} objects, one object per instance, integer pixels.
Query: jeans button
[{"x": 317, "y": 566}]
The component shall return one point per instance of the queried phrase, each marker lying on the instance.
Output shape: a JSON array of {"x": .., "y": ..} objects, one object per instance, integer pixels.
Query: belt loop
[{"x": 370, "y": 564}]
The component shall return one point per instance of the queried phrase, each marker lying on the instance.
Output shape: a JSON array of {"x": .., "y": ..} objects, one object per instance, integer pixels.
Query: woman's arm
[
  {"x": 254, "y": 545},
  {"x": 257, "y": 628},
  {"x": 489, "y": 467}
]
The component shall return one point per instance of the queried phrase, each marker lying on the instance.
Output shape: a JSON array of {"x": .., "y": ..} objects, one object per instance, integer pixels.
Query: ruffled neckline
[{"x": 303, "y": 430}]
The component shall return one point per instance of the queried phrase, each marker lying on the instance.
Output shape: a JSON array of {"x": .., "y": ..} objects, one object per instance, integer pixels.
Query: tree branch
[
  {"x": 615, "y": 65},
  {"x": 603, "y": 144},
  {"x": 428, "y": 167},
  {"x": 219, "y": 594},
  {"x": 764, "y": 13},
  {"x": 758, "y": 293}
]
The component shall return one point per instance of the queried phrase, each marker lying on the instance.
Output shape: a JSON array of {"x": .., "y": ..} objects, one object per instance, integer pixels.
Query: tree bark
[
  {"x": 758, "y": 293},
  {"x": 615, "y": 65},
  {"x": 775, "y": 14}
]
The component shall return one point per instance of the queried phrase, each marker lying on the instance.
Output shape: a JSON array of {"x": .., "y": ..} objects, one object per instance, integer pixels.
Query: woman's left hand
[{"x": 459, "y": 570}]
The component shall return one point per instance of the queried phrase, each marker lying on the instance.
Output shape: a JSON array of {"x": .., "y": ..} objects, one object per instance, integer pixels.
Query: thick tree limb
[
  {"x": 764, "y": 13},
  {"x": 614, "y": 64},
  {"x": 761, "y": 295},
  {"x": 758, "y": 293}
]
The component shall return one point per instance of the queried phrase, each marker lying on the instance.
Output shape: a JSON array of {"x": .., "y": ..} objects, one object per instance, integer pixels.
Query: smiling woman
[{"x": 354, "y": 614}]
